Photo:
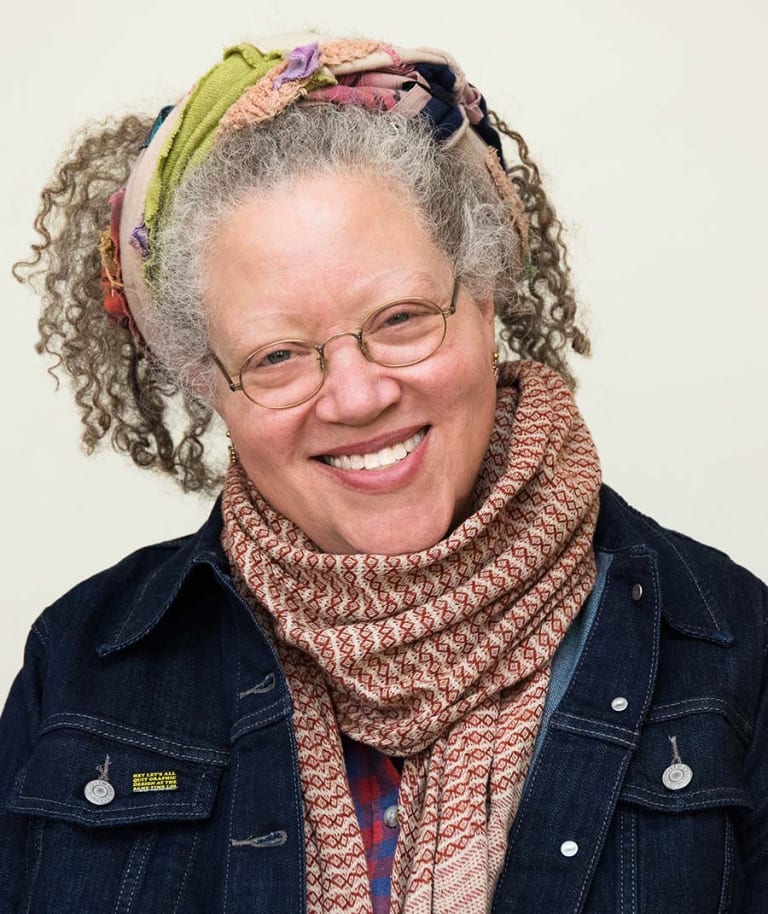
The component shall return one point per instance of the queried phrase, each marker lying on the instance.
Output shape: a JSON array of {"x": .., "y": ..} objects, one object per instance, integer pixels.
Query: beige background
[{"x": 648, "y": 120}]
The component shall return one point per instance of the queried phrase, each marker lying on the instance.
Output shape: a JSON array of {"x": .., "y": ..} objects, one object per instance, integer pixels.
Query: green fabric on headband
[{"x": 194, "y": 134}]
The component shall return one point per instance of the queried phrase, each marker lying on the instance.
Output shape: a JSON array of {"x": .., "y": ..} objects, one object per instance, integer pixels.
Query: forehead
[{"x": 319, "y": 251}]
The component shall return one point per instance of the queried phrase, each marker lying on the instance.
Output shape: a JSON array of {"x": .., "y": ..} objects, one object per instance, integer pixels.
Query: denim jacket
[{"x": 158, "y": 666}]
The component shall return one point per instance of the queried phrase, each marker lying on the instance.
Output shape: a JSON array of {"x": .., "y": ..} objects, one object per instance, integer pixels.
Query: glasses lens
[
  {"x": 282, "y": 374},
  {"x": 403, "y": 333}
]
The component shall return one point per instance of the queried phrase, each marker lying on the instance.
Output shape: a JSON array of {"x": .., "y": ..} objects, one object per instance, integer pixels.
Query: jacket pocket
[
  {"x": 674, "y": 832},
  {"x": 116, "y": 816}
]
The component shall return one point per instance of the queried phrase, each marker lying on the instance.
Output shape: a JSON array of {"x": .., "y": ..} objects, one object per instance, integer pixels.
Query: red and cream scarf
[{"x": 441, "y": 656}]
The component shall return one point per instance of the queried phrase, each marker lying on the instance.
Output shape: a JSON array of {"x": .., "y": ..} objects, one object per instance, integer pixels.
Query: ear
[
  {"x": 204, "y": 383},
  {"x": 488, "y": 310}
]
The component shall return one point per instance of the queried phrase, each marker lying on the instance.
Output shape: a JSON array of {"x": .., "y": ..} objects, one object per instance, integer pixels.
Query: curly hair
[{"x": 146, "y": 405}]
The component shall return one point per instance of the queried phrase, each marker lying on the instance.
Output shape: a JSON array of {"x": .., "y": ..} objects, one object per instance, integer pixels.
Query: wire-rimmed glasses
[{"x": 287, "y": 373}]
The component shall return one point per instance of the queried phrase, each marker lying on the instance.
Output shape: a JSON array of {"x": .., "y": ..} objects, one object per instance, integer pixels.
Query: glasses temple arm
[
  {"x": 233, "y": 385},
  {"x": 452, "y": 306}
]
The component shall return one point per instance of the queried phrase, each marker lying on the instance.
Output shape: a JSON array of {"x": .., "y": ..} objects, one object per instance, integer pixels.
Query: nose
[{"x": 355, "y": 391}]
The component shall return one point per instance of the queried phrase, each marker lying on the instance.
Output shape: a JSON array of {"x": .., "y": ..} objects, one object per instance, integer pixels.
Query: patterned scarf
[{"x": 441, "y": 656}]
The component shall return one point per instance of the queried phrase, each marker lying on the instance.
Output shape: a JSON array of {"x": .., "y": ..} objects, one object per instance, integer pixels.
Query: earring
[
  {"x": 495, "y": 363},
  {"x": 232, "y": 451}
]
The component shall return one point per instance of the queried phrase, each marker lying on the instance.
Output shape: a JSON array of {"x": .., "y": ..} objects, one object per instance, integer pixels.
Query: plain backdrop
[{"x": 648, "y": 120}]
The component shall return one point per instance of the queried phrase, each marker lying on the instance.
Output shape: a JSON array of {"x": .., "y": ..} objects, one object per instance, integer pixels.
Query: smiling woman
[{"x": 418, "y": 659}]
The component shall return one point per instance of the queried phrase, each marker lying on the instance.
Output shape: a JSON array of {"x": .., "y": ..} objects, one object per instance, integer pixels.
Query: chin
[{"x": 392, "y": 536}]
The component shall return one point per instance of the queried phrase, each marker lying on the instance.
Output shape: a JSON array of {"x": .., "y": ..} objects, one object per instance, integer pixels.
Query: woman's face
[{"x": 312, "y": 260}]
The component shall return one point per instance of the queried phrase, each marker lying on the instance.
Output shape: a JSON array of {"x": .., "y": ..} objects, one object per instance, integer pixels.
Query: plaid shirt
[{"x": 374, "y": 780}]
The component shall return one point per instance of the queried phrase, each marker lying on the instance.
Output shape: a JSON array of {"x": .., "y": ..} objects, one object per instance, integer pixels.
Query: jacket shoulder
[
  {"x": 621, "y": 524},
  {"x": 707, "y": 571},
  {"x": 109, "y": 591},
  {"x": 150, "y": 576}
]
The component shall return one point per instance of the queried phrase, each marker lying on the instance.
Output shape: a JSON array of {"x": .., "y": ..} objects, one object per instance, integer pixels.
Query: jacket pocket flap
[
  {"x": 95, "y": 779},
  {"x": 686, "y": 762}
]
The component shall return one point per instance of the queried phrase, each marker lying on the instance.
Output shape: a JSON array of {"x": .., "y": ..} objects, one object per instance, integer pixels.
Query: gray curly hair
[{"x": 145, "y": 406}]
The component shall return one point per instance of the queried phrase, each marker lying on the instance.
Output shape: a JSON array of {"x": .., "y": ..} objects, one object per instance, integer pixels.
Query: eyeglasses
[{"x": 287, "y": 373}]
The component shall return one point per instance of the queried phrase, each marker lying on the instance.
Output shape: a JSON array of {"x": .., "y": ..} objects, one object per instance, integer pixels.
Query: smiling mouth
[{"x": 386, "y": 457}]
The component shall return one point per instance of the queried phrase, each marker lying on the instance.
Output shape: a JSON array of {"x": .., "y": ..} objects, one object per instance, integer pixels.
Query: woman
[{"x": 417, "y": 659}]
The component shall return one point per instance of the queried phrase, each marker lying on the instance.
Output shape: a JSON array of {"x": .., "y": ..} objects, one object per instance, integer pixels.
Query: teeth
[
  {"x": 387, "y": 457},
  {"x": 383, "y": 458}
]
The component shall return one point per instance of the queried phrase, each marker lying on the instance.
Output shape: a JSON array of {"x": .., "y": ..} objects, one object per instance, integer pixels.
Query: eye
[
  {"x": 404, "y": 317},
  {"x": 281, "y": 356},
  {"x": 392, "y": 319},
  {"x": 276, "y": 357}
]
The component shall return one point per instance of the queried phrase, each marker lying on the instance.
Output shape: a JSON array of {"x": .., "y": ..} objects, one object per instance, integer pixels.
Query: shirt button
[
  {"x": 677, "y": 776},
  {"x": 620, "y": 703},
  {"x": 569, "y": 848},
  {"x": 637, "y": 591},
  {"x": 99, "y": 792},
  {"x": 390, "y": 816}
]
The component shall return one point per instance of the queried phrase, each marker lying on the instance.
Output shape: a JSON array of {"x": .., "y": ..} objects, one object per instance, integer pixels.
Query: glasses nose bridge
[{"x": 356, "y": 335}]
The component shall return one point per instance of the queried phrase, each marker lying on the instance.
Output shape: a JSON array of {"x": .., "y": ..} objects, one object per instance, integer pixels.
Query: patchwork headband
[{"x": 253, "y": 84}]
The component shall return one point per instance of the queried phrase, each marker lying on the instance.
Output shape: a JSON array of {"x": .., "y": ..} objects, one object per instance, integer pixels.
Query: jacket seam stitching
[
  {"x": 259, "y": 719},
  {"x": 135, "y": 738},
  {"x": 702, "y": 705},
  {"x": 622, "y": 731},
  {"x": 185, "y": 877},
  {"x": 235, "y": 779},
  {"x": 585, "y": 731},
  {"x": 688, "y": 793},
  {"x": 40, "y": 629},
  {"x": 600, "y": 842},
  {"x": 36, "y": 868},
  {"x": 725, "y": 888}
]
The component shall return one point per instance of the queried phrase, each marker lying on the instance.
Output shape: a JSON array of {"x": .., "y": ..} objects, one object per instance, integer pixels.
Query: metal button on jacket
[
  {"x": 99, "y": 792},
  {"x": 390, "y": 816},
  {"x": 620, "y": 703},
  {"x": 637, "y": 591},
  {"x": 677, "y": 776},
  {"x": 569, "y": 848}
]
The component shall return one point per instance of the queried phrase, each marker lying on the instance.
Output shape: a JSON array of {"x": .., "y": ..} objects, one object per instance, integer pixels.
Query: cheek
[
  {"x": 244, "y": 429},
  {"x": 267, "y": 442},
  {"x": 471, "y": 360},
  {"x": 464, "y": 397}
]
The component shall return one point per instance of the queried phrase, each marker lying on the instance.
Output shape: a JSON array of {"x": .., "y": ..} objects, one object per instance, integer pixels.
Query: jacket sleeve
[
  {"x": 19, "y": 726},
  {"x": 753, "y": 835}
]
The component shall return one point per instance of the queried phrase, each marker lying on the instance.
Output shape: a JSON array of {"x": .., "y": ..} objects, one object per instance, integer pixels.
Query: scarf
[{"x": 441, "y": 656}]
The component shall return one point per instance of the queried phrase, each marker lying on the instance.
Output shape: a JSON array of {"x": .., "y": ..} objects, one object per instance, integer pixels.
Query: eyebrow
[{"x": 249, "y": 345}]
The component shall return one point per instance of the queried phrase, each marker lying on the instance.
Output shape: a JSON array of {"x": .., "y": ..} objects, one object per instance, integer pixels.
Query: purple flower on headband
[
  {"x": 301, "y": 62},
  {"x": 139, "y": 240}
]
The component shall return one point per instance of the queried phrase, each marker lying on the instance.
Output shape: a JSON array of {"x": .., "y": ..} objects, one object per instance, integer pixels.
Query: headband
[{"x": 255, "y": 83}]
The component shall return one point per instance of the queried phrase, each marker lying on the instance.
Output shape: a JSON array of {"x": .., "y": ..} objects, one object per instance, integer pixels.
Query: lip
[
  {"x": 385, "y": 479},
  {"x": 371, "y": 445}
]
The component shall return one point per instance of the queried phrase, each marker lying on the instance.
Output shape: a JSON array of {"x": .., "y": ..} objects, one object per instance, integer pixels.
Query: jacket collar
[
  {"x": 144, "y": 608},
  {"x": 687, "y": 604}
]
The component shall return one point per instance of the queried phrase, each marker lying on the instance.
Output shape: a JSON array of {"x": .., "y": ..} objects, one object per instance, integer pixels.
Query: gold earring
[
  {"x": 232, "y": 451},
  {"x": 495, "y": 363}
]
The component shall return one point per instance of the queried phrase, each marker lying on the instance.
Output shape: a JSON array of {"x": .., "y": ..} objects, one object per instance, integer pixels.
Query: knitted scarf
[{"x": 441, "y": 656}]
